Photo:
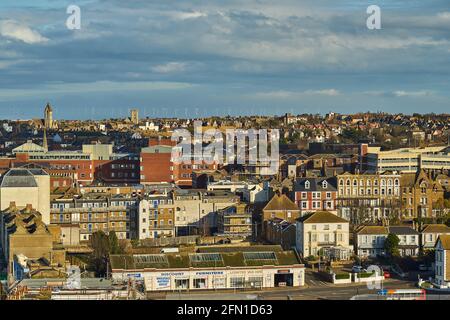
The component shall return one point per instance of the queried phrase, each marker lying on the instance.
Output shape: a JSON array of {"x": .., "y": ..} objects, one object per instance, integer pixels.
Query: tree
[
  {"x": 391, "y": 245},
  {"x": 99, "y": 242},
  {"x": 114, "y": 247}
]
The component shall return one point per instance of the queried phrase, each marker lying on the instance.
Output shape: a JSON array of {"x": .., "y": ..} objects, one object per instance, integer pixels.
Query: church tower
[
  {"x": 135, "y": 116},
  {"x": 48, "y": 116}
]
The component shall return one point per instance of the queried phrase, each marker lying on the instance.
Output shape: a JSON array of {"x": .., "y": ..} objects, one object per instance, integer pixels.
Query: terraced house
[
  {"x": 430, "y": 233},
  {"x": 93, "y": 212},
  {"x": 369, "y": 241},
  {"x": 368, "y": 197},
  {"x": 156, "y": 216},
  {"x": 422, "y": 196},
  {"x": 316, "y": 194}
]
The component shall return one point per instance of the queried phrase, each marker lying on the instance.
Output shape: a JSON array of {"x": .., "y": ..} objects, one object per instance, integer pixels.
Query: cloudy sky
[{"x": 214, "y": 57}]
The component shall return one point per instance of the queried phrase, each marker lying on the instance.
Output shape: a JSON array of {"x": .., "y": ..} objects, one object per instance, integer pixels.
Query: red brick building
[
  {"x": 73, "y": 168},
  {"x": 315, "y": 194},
  {"x": 156, "y": 165}
]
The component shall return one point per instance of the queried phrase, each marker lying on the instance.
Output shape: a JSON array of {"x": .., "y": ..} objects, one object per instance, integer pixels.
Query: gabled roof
[
  {"x": 435, "y": 228},
  {"x": 402, "y": 230},
  {"x": 315, "y": 184},
  {"x": 322, "y": 217},
  {"x": 445, "y": 241},
  {"x": 280, "y": 202},
  {"x": 372, "y": 230},
  {"x": 27, "y": 147}
]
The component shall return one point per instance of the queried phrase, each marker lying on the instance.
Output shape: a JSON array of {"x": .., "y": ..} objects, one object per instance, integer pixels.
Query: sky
[{"x": 196, "y": 58}]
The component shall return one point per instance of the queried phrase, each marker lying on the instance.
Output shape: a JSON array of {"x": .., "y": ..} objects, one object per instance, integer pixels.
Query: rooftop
[
  {"x": 436, "y": 228},
  {"x": 280, "y": 202},
  {"x": 322, "y": 217},
  {"x": 211, "y": 257},
  {"x": 21, "y": 177}
]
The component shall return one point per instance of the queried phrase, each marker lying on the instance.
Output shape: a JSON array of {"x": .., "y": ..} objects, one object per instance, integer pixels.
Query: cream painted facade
[
  {"x": 407, "y": 159},
  {"x": 214, "y": 278},
  {"x": 311, "y": 237},
  {"x": 200, "y": 211},
  {"x": 378, "y": 194},
  {"x": 37, "y": 194}
]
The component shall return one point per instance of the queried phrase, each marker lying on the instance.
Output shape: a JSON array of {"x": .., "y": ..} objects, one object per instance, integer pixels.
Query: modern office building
[{"x": 408, "y": 159}]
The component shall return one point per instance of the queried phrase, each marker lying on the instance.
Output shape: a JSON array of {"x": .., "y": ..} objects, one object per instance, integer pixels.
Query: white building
[
  {"x": 409, "y": 240},
  {"x": 197, "y": 209},
  {"x": 241, "y": 268},
  {"x": 251, "y": 192},
  {"x": 26, "y": 186},
  {"x": 430, "y": 233},
  {"x": 323, "y": 230},
  {"x": 369, "y": 241},
  {"x": 149, "y": 126},
  {"x": 151, "y": 209},
  {"x": 408, "y": 159},
  {"x": 442, "y": 267}
]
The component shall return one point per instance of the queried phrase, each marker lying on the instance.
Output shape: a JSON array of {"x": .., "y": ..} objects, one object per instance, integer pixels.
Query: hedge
[
  {"x": 341, "y": 276},
  {"x": 365, "y": 274}
]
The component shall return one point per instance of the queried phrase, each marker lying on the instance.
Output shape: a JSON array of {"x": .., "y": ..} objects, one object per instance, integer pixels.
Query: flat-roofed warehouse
[{"x": 212, "y": 268}]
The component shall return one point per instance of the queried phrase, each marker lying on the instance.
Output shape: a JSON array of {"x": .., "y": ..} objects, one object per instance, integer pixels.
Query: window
[
  {"x": 326, "y": 227},
  {"x": 307, "y": 184},
  {"x": 200, "y": 283},
  {"x": 237, "y": 282}
]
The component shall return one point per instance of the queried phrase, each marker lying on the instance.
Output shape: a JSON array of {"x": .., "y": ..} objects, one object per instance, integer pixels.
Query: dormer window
[
  {"x": 307, "y": 184},
  {"x": 324, "y": 184}
]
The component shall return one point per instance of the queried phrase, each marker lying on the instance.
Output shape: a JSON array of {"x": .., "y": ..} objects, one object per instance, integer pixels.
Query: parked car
[{"x": 358, "y": 269}]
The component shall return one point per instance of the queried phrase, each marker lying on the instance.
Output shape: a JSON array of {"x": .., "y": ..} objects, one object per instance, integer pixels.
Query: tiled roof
[
  {"x": 372, "y": 230},
  {"x": 322, "y": 217},
  {"x": 445, "y": 241},
  {"x": 281, "y": 202},
  {"x": 315, "y": 184},
  {"x": 401, "y": 230},
  {"x": 436, "y": 228}
]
